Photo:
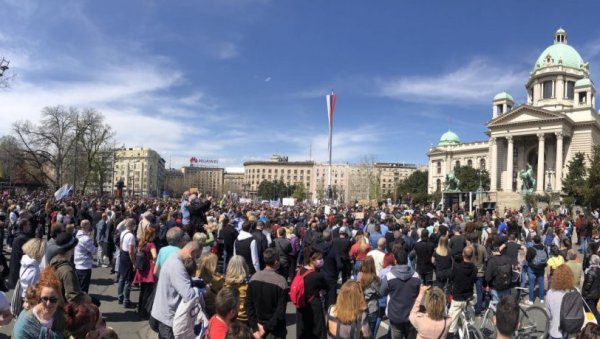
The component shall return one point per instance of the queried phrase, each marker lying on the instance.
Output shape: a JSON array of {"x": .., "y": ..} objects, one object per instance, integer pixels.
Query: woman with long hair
[
  {"x": 370, "y": 284},
  {"x": 347, "y": 319},
  {"x": 358, "y": 252},
  {"x": 46, "y": 318},
  {"x": 33, "y": 252},
  {"x": 213, "y": 279},
  {"x": 146, "y": 277},
  {"x": 236, "y": 277},
  {"x": 562, "y": 282},
  {"x": 433, "y": 323},
  {"x": 443, "y": 263},
  {"x": 310, "y": 320}
]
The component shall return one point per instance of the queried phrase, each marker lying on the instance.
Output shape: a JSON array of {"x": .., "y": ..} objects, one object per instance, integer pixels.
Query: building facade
[
  {"x": 206, "y": 180},
  {"x": 141, "y": 169},
  {"x": 233, "y": 183},
  {"x": 278, "y": 168},
  {"x": 558, "y": 120},
  {"x": 390, "y": 175},
  {"x": 340, "y": 179}
]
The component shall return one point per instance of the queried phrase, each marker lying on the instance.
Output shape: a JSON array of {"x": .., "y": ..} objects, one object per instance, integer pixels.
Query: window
[
  {"x": 457, "y": 164},
  {"x": 470, "y": 163},
  {"x": 482, "y": 164},
  {"x": 547, "y": 89},
  {"x": 438, "y": 185},
  {"x": 570, "y": 90},
  {"x": 439, "y": 167},
  {"x": 499, "y": 109}
]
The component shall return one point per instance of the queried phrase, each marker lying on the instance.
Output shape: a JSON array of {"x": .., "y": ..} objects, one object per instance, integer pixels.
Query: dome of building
[
  {"x": 559, "y": 53},
  {"x": 584, "y": 82},
  {"x": 503, "y": 95},
  {"x": 449, "y": 138}
]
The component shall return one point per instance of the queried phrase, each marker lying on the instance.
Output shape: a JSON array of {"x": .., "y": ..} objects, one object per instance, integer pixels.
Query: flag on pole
[
  {"x": 61, "y": 192},
  {"x": 330, "y": 107}
]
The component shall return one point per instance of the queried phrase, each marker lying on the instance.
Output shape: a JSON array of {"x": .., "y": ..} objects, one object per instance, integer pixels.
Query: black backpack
[
  {"x": 503, "y": 277},
  {"x": 571, "y": 313},
  {"x": 141, "y": 260}
]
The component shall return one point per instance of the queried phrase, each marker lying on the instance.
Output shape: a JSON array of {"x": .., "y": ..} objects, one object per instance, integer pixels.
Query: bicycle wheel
[
  {"x": 534, "y": 322},
  {"x": 486, "y": 326},
  {"x": 474, "y": 332}
]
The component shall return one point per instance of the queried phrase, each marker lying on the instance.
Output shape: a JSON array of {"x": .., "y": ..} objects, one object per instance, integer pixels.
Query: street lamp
[{"x": 3, "y": 66}]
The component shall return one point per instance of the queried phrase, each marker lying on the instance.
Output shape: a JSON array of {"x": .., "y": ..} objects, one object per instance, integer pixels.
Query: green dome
[
  {"x": 503, "y": 95},
  {"x": 584, "y": 82},
  {"x": 449, "y": 138},
  {"x": 557, "y": 53}
]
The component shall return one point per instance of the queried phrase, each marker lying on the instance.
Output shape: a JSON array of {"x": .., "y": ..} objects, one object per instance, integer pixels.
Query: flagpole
[{"x": 330, "y": 108}]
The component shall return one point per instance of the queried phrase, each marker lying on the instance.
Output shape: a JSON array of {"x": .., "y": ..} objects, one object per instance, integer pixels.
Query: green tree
[
  {"x": 299, "y": 192},
  {"x": 469, "y": 178},
  {"x": 266, "y": 190},
  {"x": 592, "y": 187},
  {"x": 414, "y": 183},
  {"x": 574, "y": 182}
]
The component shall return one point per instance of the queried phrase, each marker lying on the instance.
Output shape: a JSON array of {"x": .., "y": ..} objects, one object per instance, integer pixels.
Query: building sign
[{"x": 203, "y": 162}]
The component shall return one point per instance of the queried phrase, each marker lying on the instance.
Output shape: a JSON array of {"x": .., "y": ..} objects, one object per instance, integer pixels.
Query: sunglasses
[{"x": 52, "y": 300}]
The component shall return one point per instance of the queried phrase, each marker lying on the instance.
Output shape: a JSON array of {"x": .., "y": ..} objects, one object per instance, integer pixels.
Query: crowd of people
[{"x": 220, "y": 269}]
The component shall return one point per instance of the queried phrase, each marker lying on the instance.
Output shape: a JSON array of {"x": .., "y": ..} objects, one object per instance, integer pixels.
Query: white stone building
[{"x": 558, "y": 120}]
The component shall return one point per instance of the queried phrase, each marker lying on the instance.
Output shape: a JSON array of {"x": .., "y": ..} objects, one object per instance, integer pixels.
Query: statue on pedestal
[
  {"x": 528, "y": 179},
  {"x": 452, "y": 183}
]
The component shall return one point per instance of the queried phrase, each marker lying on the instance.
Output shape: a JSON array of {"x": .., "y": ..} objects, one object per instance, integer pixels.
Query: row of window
[
  {"x": 457, "y": 164},
  {"x": 548, "y": 90},
  {"x": 255, "y": 170}
]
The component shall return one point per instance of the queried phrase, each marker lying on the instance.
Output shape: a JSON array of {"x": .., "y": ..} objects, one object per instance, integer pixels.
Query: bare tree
[
  {"x": 94, "y": 137},
  {"x": 49, "y": 145},
  {"x": 5, "y": 78},
  {"x": 370, "y": 172}
]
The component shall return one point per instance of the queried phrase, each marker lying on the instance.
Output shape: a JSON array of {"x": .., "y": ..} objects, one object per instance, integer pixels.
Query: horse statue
[
  {"x": 528, "y": 180},
  {"x": 452, "y": 183}
]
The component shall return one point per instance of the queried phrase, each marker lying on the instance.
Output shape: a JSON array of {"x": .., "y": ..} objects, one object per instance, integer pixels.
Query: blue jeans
[
  {"x": 125, "y": 277},
  {"x": 374, "y": 320},
  {"x": 524, "y": 275},
  {"x": 479, "y": 289},
  {"x": 497, "y": 295},
  {"x": 355, "y": 269},
  {"x": 584, "y": 244},
  {"x": 536, "y": 276}
]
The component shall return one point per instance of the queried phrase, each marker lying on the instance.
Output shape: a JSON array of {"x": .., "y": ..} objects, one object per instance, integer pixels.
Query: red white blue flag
[{"x": 330, "y": 107}]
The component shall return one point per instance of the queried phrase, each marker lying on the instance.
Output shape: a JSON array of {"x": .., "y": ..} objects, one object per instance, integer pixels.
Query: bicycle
[
  {"x": 534, "y": 321},
  {"x": 466, "y": 320}
]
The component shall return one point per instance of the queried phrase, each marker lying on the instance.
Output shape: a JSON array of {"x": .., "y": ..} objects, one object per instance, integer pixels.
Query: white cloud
[
  {"x": 267, "y": 79},
  {"x": 227, "y": 50},
  {"x": 477, "y": 82}
]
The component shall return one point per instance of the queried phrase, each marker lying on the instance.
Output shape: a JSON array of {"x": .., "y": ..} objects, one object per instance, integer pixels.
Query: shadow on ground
[{"x": 120, "y": 317}]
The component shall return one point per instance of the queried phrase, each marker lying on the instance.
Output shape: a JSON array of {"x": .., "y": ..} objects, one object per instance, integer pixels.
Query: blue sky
[{"x": 236, "y": 80}]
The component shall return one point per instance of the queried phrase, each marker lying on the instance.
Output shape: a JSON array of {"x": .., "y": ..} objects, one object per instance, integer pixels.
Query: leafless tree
[
  {"x": 370, "y": 172},
  {"x": 94, "y": 138}
]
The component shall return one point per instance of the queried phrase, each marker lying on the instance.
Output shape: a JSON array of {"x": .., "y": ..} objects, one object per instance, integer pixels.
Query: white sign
[
  {"x": 327, "y": 209},
  {"x": 289, "y": 201},
  {"x": 245, "y": 200}
]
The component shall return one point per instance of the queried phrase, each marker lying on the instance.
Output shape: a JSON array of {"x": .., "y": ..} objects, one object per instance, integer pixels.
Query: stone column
[
  {"x": 559, "y": 161},
  {"x": 509, "y": 165},
  {"x": 540, "y": 166},
  {"x": 494, "y": 166}
]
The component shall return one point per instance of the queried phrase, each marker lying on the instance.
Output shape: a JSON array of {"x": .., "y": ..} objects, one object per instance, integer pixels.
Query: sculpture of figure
[
  {"x": 452, "y": 183},
  {"x": 528, "y": 180}
]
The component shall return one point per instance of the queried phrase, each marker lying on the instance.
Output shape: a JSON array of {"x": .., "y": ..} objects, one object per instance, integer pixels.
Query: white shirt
[
  {"x": 377, "y": 256},
  {"x": 127, "y": 239}
]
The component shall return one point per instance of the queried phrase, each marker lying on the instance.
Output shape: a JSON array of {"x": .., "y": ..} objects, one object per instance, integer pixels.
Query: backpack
[
  {"x": 571, "y": 312},
  {"x": 503, "y": 277},
  {"x": 117, "y": 239},
  {"x": 541, "y": 258},
  {"x": 141, "y": 260},
  {"x": 297, "y": 293},
  {"x": 548, "y": 239}
]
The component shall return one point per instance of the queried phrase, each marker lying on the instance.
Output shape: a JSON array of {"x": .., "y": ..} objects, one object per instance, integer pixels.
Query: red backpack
[{"x": 297, "y": 294}]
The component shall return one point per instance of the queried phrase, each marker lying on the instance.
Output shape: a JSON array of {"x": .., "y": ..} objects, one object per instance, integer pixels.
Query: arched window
[
  {"x": 482, "y": 164},
  {"x": 438, "y": 185},
  {"x": 457, "y": 164},
  {"x": 439, "y": 167},
  {"x": 470, "y": 163}
]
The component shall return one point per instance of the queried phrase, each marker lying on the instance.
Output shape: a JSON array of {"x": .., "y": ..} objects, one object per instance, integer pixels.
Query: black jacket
[
  {"x": 266, "y": 301},
  {"x": 491, "y": 268},
  {"x": 15, "y": 258},
  {"x": 342, "y": 246},
  {"x": 228, "y": 234},
  {"x": 284, "y": 248},
  {"x": 591, "y": 284},
  {"x": 424, "y": 251},
  {"x": 261, "y": 245},
  {"x": 332, "y": 263},
  {"x": 463, "y": 278},
  {"x": 197, "y": 214}
]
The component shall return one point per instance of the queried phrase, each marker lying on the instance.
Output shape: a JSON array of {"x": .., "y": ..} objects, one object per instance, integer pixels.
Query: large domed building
[{"x": 558, "y": 120}]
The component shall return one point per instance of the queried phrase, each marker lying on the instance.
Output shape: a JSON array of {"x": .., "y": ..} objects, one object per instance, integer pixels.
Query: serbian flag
[{"x": 330, "y": 107}]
